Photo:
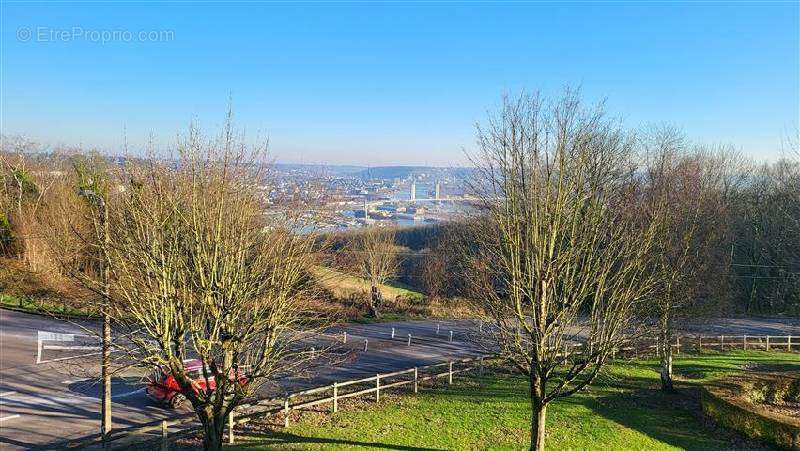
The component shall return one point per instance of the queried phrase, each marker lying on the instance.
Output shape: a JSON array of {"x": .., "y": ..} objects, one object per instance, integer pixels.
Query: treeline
[
  {"x": 42, "y": 202},
  {"x": 744, "y": 255}
]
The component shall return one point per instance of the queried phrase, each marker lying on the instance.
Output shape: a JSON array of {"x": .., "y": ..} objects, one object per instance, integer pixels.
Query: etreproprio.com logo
[{"x": 80, "y": 34}]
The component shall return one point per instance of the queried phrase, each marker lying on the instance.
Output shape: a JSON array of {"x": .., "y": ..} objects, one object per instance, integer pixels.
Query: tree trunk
[
  {"x": 105, "y": 409},
  {"x": 664, "y": 344},
  {"x": 666, "y": 370},
  {"x": 374, "y": 311},
  {"x": 538, "y": 411},
  {"x": 665, "y": 353},
  {"x": 375, "y": 299},
  {"x": 213, "y": 429}
]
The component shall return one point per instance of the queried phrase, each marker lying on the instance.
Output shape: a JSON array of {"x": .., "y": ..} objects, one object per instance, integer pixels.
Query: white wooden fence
[
  {"x": 337, "y": 391},
  {"x": 333, "y": 393},
  {"x": 699, "y": 343}
]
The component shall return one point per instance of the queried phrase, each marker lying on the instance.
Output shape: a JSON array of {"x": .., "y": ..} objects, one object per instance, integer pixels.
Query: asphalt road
[
  {"x": 54, "y": 401},
  {"x": 47, "y": 403}
]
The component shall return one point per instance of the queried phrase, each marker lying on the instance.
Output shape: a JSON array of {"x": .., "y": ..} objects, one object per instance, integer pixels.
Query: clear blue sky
[{"x": 393, "y": 83}]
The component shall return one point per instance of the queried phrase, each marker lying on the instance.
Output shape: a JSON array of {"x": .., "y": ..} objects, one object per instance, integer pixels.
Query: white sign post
[
  {"x": 50, "y": 336},
  {"x": 59, "y": 337}
]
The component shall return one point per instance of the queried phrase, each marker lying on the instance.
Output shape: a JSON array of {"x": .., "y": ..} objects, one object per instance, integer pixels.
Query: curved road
[
  {"x": 43, "y": 404},
  {"x": 49, "y": 402}
]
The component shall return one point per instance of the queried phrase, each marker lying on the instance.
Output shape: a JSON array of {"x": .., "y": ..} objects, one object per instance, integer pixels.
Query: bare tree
[
  {"x": 376, "y": 260},
  {"x": 197, "y": 270},
  {"x": 671, "y": 185},
  {"x": 788, "y": 174},
  {"x": 560, "y": 258},
  {"x": 766, "y": 253},
  {"x": 94, "y": 186},
  {"x": 24, "y": 189}
]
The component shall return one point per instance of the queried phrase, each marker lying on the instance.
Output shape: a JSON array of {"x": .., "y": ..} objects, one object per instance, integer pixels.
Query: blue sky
[{"x": 392, "y": 83}]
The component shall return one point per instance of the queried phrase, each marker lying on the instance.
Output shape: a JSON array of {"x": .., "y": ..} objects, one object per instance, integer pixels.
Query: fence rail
[
  {"x": 299, "y": 400},
  {"x": 787, "y": 343}
]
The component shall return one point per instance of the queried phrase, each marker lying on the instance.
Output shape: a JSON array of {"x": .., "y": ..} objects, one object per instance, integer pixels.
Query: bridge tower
[
  {"x": 438, "y": 192},
  {"x": 413, "y": 190}
]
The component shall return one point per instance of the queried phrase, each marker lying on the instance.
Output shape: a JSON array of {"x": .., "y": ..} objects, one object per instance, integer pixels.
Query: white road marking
[
  {"x": 71, "y": 348},
  {"x": 9, "y": 417},
  {"x": 29, "y": 400},
  {"x": 7, "y": 393},
  {"x": 46, "y": 400},
  {"x": 68, "y": 358},
  {"x": 73, "y": 381}
]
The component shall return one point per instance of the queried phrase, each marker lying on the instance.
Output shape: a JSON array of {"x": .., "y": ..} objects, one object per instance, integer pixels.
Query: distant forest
[{"x": 747, "y": 263}]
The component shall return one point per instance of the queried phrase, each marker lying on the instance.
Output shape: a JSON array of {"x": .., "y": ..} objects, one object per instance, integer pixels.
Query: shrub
[
  {"x": 793, "y": 391},
  {"x": 736, "y": 415},
  {"x": 774, "y": 390}
]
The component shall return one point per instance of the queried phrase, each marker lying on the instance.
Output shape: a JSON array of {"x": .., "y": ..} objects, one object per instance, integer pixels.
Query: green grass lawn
[
  {"x": 27, "y": 304},
  {"x": 624, "y": 410},
  {"x": 343, "y": 285}
]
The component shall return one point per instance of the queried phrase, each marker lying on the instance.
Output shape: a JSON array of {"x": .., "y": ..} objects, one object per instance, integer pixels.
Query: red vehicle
[{"x": 164, "y": 389}]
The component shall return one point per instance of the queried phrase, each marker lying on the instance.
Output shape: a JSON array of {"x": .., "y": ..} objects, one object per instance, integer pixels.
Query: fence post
[
  {"x": 409, "y": 339},
  {"x": 286, "y": 413},
  {"x": 767, "y": 342},
  {"x": 344, "y": 337},
  {"x": 721, "y": 343},
  {"x": 164, "y": 436},
  {"x": 437, "y": 328},
  {"x": 790, "y": 344},
  {"x": 450, "y": 374},
  {"x": 416, "y": 380},
  {"x": 700, "y": 342},
  {"x": 335, "y": 397},
  {"x": 365, "y": 344},
  {"x": 480, "y": 366},
  {"x": 38, "y": 351},
  {"x": 678, "y": 344},
  {"x": 745, "y": 343},
  {"x": 451, "y": 336},
  {"x": 377, "y": 388},
  {"x": 230, "y": 427},
  {"x": 392, "y": 333}
]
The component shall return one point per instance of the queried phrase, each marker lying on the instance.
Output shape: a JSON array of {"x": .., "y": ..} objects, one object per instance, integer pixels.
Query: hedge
[{"x": 739, "y": 415}]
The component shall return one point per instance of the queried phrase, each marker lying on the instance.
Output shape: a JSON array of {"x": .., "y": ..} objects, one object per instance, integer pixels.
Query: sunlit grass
[
  {"x": 26, "y": 304},
  {"x": 624, "y": 410},
  {"x": 343, "y": 285}
]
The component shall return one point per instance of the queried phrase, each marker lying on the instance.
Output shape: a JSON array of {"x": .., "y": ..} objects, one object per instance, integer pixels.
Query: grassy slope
[
  {"x": 342, "y": 285},
  {"x": 29, "y": 291},
  {"x": 339, "y": 283},
  {"x": 624, "y": 411},
  {"x": 26, "y": 304}
]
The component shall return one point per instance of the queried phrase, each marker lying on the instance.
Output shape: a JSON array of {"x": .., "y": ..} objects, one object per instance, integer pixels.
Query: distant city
[{"x": 344, "y": 197}]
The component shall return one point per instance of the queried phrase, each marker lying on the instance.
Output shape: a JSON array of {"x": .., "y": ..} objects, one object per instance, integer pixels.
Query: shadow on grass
[
  {"x": 777, "y": 367},
  {"x": 636, "y": 403},
  {"x": 283, "y": 438},
  {"x": 715, "y": 366},
  {"x": 629, "y": 397},
  {"x": 667, "y": 417}
]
